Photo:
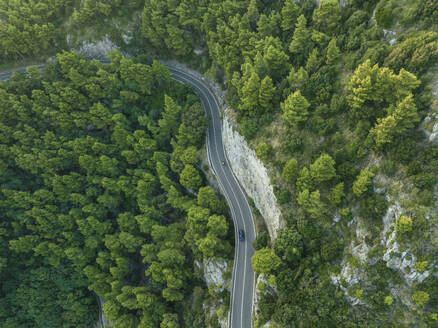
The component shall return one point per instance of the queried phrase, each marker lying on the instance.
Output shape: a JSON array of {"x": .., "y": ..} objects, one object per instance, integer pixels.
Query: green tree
[
  {"x": 266, "y": 92},
  {"x": 263, "y": 151},
  {"x": 218, "y": 225},
  {"x": 265, "y": 261},
  {"x": 300, "y": 40},
  {"x": 297, "y": 80},
  {"x": 250, "y": 91},
  {"x": 403, "y": 224},
  {"x": 261, "y": 240},
  {"x": 333, "y": 52},
  {"x": 170, "y": 320},
  {"x": 190, "y": 155},
  {"x": 363, "y": 182},
  {"x": 193, "y": 126},
  {"x": 169, "y": 123},
  {"x": 208, "y": 199},
  {"x": 336, "y": 194},
  {"x": 274, "y": 57},
  {"x": 327, "y": 16},
  {"x": 295, "y": 108},
  {"x": 291, "y": 170},
  {"x": 323, "y": 169},
  {"x": 289, "y": 15},
  {"x": 253, "y": 12},
  {"x": 401, "y": 118},
  {"x": 190, "y": 178},
  {"x": 313, "y": 61},
  {"x": 289, "y": 245},
  {"x": 304, "y": 180},
  {"x": 421, "y": 266},
  {"x": 311, "y": 203},
  {"x": 420, "y": 297},
  {"x": 389, "y": 300}
]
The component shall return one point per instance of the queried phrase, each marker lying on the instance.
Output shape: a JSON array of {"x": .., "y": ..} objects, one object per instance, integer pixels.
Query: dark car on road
[{"x": 241, "y": 235}]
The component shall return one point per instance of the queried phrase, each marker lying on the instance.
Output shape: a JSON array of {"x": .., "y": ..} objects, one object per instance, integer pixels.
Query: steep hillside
[{"x": 334, "y": 98}]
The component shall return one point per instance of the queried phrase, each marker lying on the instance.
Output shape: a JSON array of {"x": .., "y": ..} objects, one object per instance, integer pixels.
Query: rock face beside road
[{"x": 253, "y": 176}]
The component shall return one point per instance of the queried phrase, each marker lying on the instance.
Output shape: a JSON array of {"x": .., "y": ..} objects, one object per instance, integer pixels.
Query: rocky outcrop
[
  {"x": 214, "y": 273},
  {"x": 402, "y": 261},
  {"x": 262, "y": 279},
  {"x": 252, "y": 175},
  {"x": 433, "y": 137},
  {"x": 103, "y": 322}
]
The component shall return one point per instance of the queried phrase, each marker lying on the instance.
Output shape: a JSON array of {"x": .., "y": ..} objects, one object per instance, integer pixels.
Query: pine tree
[
  {"x": 298, "y": 79},
  {"x": 291, "y": 170},
  {"x": 295, "y": 108},
  {"x": 327, "y": 16},
  {"x": 250, "y": 93},
  {"x": 171, "y": 113},
  {"x": 333, "y": 52},
  {"x": 402, "y": 117},
  {"x": 363, "y": 182},
  {"x": 300, "y": 40},
  {"x": 313, "y": 61},
  {"x": 253, "y": 12},
  {"x": 289, "y": 15},
  {"x": 323, "y": 169},
  {"x": 275, "y": 58},
  {"x": 266, "y": 92}
]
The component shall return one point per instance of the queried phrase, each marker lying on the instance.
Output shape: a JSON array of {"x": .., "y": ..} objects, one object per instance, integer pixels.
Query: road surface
[
  {"x": 243, "y": 274},
  {"x": 242, "y": 291}
]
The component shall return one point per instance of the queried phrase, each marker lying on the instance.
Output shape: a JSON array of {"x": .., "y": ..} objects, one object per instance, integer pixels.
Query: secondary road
[
  {"x": 243, "y": 275},
  {"x": 242, "y": 291}
]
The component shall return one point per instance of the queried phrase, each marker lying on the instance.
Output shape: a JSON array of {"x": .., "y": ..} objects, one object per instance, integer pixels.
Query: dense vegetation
[
  {"x": 30, "y": 28},
  {"x": 330, "y": 98},
  {"x": 331, "y": 107},
  {"x": 101, "y": 195}
]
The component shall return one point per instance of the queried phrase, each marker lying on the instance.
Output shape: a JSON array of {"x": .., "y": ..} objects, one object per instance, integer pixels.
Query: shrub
[
  {"x": 249, "y": 129},
  {"x": 373, "y": 207},
  {"x": 261, "y": 240},
  {"x": 420, "y": 298},
  {"x": 421, "y": 266},
  {"x": 283, "y": 195},
  {"x": 265, "y": 261},
  {"x": 291, "y": 170},
  {"x": 267, "y": 305},
  {"x": 261, "y": 286},
  {"x": 403, "y": 224},
  {"x": 384, "y": 17},
  {"x": 363, "y": 182},
  {"x": 388, "y": 167},
  {"x": 263, "y": 151},
  {"x": 389, "y": 300},
  {"x": 291, "y": 142}
]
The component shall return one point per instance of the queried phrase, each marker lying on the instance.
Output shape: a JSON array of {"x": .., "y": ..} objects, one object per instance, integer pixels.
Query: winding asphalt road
[{"x": 243, "y": 275}]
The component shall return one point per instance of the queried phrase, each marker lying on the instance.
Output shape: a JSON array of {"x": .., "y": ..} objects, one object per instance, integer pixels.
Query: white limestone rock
[
  {"x": 253, "y": 176},
  {"x": 214, "y": 273},
  {"x": 96, "y": 49},
  {"x": 402, "y": 261},
  {"x": 433, "y": 137}
]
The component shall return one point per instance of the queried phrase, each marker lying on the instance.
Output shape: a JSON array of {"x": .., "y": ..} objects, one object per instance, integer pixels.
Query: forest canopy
[
  {"x": 102, "y": 192},
  {"x": 92, "y": 156}
]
